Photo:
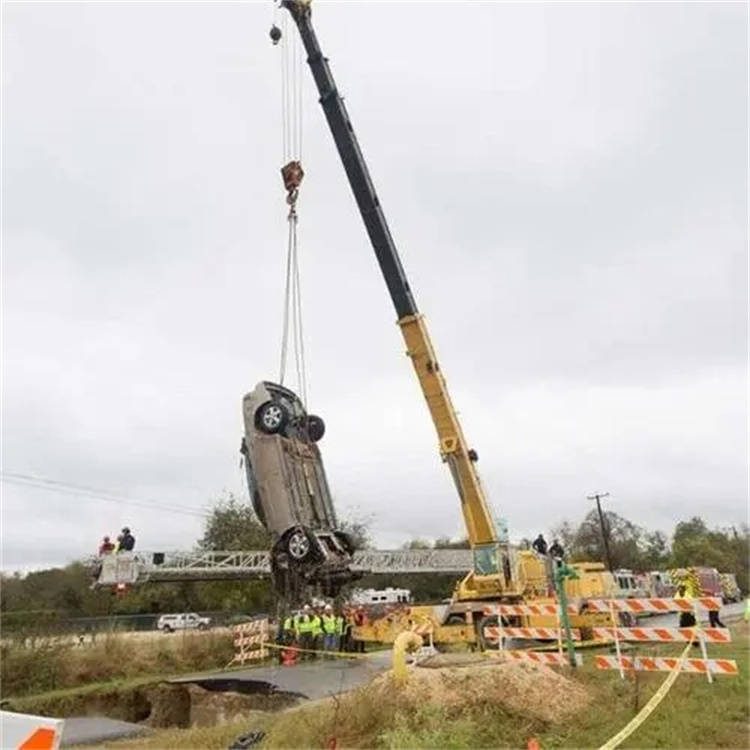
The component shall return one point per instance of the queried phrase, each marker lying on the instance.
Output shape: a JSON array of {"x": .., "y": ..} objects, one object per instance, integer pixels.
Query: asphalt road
[{"x": 312, "y": 680}]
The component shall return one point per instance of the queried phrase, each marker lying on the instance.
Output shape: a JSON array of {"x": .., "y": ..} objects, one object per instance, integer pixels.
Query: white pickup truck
[{"x": 183, "y": 621}]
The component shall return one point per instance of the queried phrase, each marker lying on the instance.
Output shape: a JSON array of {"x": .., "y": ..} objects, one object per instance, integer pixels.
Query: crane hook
[{"x": 275, "y": 34}]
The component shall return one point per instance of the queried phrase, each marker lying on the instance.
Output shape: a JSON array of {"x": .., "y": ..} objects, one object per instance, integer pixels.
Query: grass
[
  {"x": 55, "y": 666},
  {"x": 695, "y": 714}
]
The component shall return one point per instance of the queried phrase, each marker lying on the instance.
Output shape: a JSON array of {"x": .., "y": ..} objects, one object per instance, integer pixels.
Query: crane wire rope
[{"x": 292, "y": 174}]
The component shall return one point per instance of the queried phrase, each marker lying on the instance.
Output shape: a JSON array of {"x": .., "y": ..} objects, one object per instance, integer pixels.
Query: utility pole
[{"x": 605, "y": 531}]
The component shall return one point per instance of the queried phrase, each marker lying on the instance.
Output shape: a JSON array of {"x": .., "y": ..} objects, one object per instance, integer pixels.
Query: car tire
[
  {"x": 271, "y": 417},
  {"x": 299, "y": 545},
  {"x": 315, "y": 428},
  {"x": 166, "y": 629},
  {"x": 202, "y": 626}
]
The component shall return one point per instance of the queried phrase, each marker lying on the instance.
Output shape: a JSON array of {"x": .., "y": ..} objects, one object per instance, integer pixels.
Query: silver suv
[{"x": 290, "y": 494}]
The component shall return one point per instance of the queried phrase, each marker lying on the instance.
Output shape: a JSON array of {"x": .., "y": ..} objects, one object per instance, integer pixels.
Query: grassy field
[
  {"x": 589, "y": 708},
  {"x": 54, "y": 665}
]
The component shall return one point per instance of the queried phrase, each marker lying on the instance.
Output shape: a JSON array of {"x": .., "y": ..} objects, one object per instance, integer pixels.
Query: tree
[{"x": 233, "y": 526}]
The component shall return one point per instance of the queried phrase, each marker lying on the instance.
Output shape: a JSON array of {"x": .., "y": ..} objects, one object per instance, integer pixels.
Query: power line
[{"x": 91, "y": 493}]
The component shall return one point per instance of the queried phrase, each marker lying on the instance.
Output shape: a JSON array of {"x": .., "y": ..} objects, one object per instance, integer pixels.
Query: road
[{"x": 312, "y": 680}]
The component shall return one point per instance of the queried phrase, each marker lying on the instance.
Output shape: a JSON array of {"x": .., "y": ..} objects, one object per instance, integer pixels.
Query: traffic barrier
[
  {"x": 667, "y": 664},
  {"x": 525, "y": 609},
  {"x": 29, "y": 732},
  {"x": 550, "y": 659},
  {"x": 640, "y": 606},
  {"x": 492, "y": 632},
  {"x": 250, "y": 641},
  {"x": 664, "y": 635},
  {"x": 694, "y": 634}
]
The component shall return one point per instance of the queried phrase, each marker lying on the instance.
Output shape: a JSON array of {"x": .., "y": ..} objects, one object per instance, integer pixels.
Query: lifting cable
[{"x": 292, "y": 174}]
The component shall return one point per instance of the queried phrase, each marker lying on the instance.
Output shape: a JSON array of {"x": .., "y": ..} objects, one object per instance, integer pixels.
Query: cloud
[{"x": 567, "y": 185}]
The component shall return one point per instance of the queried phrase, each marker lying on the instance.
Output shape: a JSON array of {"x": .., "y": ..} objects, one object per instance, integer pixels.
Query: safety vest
[
  {"x": 315, "y": 627},
  {"x": 329, "y": 624},
  {"x": 304, "y": 624},
  {"x": 289, "y": 624},
  {"x": 339, "y": 625}
]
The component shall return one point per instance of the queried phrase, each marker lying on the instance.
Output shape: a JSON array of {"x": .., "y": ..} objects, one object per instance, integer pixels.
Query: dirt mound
[{"x": 533, "y": 690}]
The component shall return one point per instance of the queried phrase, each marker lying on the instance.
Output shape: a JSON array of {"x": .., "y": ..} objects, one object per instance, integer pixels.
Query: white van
[{"x": 183, "y": 621}]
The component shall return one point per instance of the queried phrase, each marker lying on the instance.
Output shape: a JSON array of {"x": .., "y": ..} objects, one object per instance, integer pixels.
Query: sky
[{"x": 567, "y": 184}]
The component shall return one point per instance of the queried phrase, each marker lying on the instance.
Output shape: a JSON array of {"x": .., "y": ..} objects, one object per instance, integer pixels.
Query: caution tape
[{"x": 649, "y": 708}]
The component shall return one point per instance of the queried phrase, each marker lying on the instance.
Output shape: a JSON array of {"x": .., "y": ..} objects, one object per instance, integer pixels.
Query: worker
[
  {"x": 539, "y": 545},
  {"x": 359, "y": 619},
  {"x": 304, "y": 631},
  {"x": 106, "y": 547},
  {"x": 317, "y": 630},
  {"x": 556, "y": 551},
  {"x": 341, "y": 630},
  {"x": 330, "y": 629},
  {"x": 687, "y": 617},
  {"x": 126, "y": 541}
]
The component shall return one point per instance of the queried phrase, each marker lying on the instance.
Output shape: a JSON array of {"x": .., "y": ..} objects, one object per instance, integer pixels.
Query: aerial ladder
[{"x": 491, "y": 576}]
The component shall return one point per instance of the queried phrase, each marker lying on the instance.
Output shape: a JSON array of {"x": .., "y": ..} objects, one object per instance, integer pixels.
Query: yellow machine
[{"x": 498, "y": 574}]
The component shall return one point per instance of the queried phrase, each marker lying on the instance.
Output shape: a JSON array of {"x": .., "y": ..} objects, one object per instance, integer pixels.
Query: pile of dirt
[{"x": 533, "y": 690}]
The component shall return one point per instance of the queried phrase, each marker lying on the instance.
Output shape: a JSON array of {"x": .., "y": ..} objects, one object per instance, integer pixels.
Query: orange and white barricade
[
  {"x": 551, "y": 659},
  {"x": 500, "y": 631},
  {"x": 667, "y": 664},
  {"x": 249, "y": 641},
  {"x": 663, "y": 635},
  {"x": 28, "y": 732},
  {"x": 700, "y": 635},
  {"x": 492, "y": 633},
  {"x": 655, "y": 606}
]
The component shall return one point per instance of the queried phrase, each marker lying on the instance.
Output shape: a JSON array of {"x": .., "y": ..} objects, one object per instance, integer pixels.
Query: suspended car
[{"x": 289, "y": 491}]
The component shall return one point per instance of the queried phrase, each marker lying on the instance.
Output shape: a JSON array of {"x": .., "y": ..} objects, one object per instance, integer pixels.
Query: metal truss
[{"x": 159, "y": 567}]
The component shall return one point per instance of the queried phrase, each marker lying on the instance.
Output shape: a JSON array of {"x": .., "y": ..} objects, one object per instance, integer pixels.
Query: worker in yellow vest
[
  {"x": 330, "y": 629},
  {"x": 316, "y": 631},
  {"x": 304, "y": 628}
]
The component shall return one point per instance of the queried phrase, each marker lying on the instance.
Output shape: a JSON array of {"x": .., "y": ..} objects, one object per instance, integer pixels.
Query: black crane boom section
[{"x": 354, "y": 164}]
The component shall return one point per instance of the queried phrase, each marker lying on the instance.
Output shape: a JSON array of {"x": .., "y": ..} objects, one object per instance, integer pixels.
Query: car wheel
[
  {"x": 315, "y": 428},
  {"x": 271, "y": 417},
  {"x": 299, "y": 545},
  {"x": 202, "y": 626},
  {"x": 167, "y": 629}
]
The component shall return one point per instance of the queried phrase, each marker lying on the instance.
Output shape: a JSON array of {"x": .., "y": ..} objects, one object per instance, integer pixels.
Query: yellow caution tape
[{"x": 649, "y": 708}]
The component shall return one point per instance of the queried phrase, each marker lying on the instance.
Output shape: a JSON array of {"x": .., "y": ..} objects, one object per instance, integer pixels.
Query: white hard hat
[
  {"x": 328, "y": 606},
  {"x": 306, "y": 608}
]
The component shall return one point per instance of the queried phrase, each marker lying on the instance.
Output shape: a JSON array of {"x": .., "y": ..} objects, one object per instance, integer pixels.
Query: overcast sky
[{"x": 567, "y": 184}]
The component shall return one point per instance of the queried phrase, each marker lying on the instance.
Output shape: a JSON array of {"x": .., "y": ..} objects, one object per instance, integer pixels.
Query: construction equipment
[{"x": 496, "y": 575}]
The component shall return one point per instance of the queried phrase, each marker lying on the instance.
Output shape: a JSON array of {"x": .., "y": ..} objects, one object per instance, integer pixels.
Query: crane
[{"x": 491, "y": 575}]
